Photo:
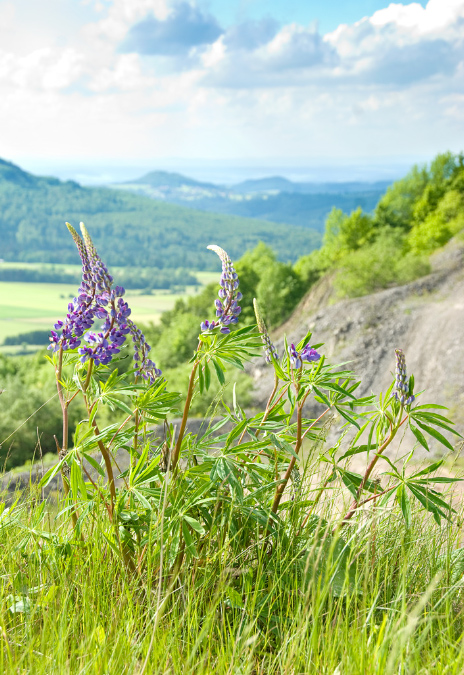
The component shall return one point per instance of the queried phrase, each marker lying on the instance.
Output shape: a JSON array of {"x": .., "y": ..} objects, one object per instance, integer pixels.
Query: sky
[{"x": 295, "y": 82}]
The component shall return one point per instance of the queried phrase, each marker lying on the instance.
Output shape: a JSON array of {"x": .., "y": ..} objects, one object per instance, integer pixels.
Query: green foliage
[
  {"x": 202, "y": 533},
  {"x": 33, "y": 337},
  {"x": 378, "y": 266},
  {"x": 440, "y": 224},
  {"x": 417, "y": 215},
  {"x": 311, "y": 267},
  {"x": 278, "y": 292},
  {"x": 29, "y": 391},
  {"x": 133, "y": 230},
  {"x": 344, "y": 233}
]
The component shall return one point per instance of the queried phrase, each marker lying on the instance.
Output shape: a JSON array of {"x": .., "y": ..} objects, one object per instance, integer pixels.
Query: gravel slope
[{"x": 424, "y": 318}]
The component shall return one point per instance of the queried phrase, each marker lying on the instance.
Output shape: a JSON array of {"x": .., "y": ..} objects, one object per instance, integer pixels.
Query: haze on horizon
[{"x": 294, "y": 84}]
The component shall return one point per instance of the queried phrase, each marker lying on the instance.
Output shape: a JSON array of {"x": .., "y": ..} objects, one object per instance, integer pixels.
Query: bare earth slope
[{"x": 424, "y": 318}]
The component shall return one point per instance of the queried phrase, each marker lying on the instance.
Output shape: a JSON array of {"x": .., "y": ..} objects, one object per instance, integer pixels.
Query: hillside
[
  {"x": 129, "y": 229},
  {"x": 424, "y": 318},
  {"x": 274, "y": 199}
]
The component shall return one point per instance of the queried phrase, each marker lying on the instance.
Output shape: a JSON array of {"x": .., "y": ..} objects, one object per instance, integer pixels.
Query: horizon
[{"x": 222, "y": 171}]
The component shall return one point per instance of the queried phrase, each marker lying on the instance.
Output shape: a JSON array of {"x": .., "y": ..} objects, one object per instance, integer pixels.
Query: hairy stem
[
  {"x": 355, "y": 504},
  {"x": 188, "y": 401},
  {"x": 281, "y": 487},
  {"x": 105, "y": 454},
  {"x": 63, "y": 451},
  {"x": 64, "y": 407}
]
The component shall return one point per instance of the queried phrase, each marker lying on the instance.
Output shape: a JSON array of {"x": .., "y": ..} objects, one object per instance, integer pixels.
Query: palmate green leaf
[
  {"x": 346, "y": 416},
  {"x": 236, "y": 432},
  {"x": 93, "y": 462},
  {"x": 140, "y": 464},
  {"x": 114, "y": 402},
  {"x": 428, "y": 469},
  {"x": 357, "y": 450},
  {"x": 50, "y": 474},
  {"x": 436, "y": 434},
  {"x": 141, "y": 499},
  {"x": 253, "y": 496},
  {"x": 304, "y": 341},
  {"x": 434, "y": 496},
  {"x": 420, "y": 437},
  {"x": 430, "y": 502},
  {"x": 219, "y": 371},
  {"x": 201, "y": 380},
  {"x": 207, "y": 376},
  {"x": 77, "y": 481},
  {"x": 321, "y": 397},
  {"x": 353, "y": 481},
  {"x": 436, "y": 420},
  {"x": 337, "y": 389},
  {"x": 278, "y": 370},
  {"x": 424, "y": 406},
  {"x": 283, "y": 445}
]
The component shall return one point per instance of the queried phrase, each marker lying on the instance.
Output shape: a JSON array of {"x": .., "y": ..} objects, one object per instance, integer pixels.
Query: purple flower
[
  {"x": 308, "y": 354},
  {"x": 97, "y": 299},
  {"x": 227, "y": 307},
  {"x": 269, "y": 349},
  {"x": 401, "y": 386},
  {"x": 145, "y": 366},
  {"x": 208, "y": 325}
]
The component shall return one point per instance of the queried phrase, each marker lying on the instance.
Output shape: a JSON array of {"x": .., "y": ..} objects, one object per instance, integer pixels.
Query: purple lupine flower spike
[
  {"x": 308, "y": 354},
  {"x": 227, "y": 307},
  {"x": 269, "y": 349},
  {"x": 97, "y": 299},
  {"x": 401, "y": 386}
]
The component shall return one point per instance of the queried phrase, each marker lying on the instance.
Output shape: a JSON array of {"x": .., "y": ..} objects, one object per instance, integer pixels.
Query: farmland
[{"x": 28, "y": 307}]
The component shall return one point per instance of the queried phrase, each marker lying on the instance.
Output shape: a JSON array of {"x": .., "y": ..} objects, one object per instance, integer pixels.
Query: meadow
[
  {"x": 26, "y": 307},
  {"x": 300, "y": 536}
]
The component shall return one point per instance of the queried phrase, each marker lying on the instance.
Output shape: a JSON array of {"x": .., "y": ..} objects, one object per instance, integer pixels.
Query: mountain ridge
[{"x": 128, "y": 229}]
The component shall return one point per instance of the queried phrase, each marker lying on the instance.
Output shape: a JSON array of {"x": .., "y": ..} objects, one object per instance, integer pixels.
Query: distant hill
[
  {"x": 159, "y": 179},
  {"x": 284, "y": 185},
  {"x": 128, "y": 229},
  {"x": 275, "y": 199}
]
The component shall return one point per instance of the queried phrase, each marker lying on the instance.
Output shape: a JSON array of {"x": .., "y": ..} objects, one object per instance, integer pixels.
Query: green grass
[
  {"x": 79, "y": 611},
  {"x": 26, "y": 307}
]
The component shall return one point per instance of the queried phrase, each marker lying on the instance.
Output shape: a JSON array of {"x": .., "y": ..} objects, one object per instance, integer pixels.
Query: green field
[{"x": 27, "y": 307}]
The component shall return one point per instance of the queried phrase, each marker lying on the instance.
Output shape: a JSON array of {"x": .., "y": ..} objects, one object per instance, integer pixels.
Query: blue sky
[
  {"x": 308, "y": 82},
  {"x": 329, "y": 13}
]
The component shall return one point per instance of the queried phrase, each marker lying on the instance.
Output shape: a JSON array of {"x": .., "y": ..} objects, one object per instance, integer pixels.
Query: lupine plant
[{"x": 247, "y": 476}]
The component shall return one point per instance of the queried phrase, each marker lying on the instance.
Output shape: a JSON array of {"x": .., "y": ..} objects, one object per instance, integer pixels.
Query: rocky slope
[{"x": 424, "y": 318}]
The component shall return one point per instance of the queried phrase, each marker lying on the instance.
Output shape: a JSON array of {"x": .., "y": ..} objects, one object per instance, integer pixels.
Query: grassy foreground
[{"x": 78, "y": 610}]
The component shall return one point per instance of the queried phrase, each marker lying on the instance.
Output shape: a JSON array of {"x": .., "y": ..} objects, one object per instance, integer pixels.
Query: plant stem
[
  {"x": 105, "y": 454},
  {"x": 63, "y": 451},
  {"x": 355, "y": 504},
  {"x": 281, "y": 487},
  {"x": 365, "y": 501},
  {"x": 64, "y": 407},
  {"x": 299, "y": 440},
  {"x": 188, "y": 401}
]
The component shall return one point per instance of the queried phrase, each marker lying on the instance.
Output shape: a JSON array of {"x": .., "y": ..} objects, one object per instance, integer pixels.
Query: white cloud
[
  {"x": 260, "y": 89},
  {"x": 43, "y": 68}
]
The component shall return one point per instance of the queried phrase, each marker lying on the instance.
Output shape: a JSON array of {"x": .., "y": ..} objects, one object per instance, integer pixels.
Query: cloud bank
[{"x": 163, "y": 77}]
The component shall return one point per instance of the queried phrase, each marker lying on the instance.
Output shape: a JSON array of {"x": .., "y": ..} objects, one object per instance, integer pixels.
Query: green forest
[
  {"x": 363, "y": 252},
  {"x": 133, "y": 230}
]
